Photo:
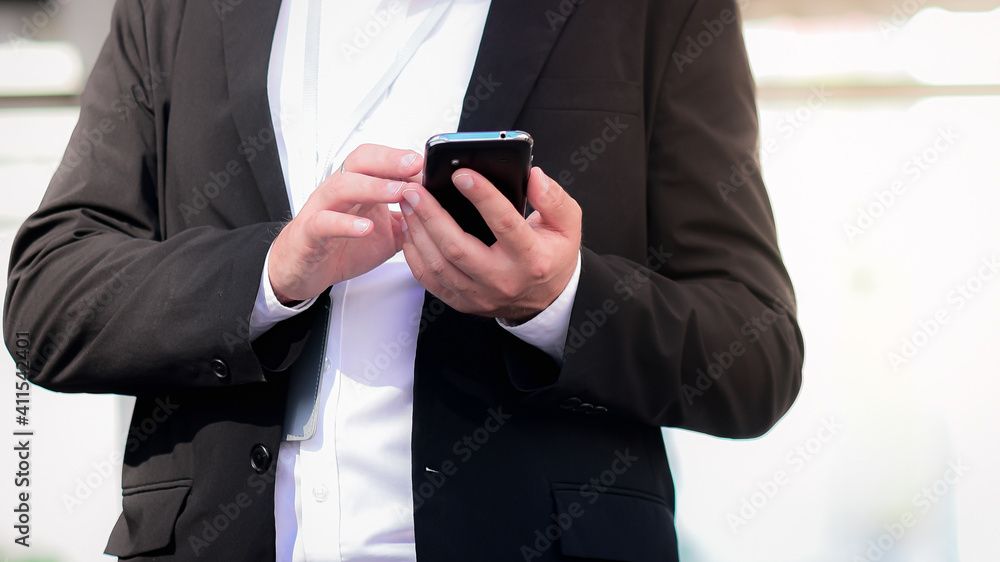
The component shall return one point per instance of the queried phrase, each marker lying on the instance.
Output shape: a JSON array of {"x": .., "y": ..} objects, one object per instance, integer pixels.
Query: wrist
[
  {"x": 284, "y": 300},
  {"x": 279, "y": 292}
]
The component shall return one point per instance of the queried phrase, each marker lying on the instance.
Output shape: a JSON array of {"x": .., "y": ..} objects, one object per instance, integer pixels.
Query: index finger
[
  {"x": 383, "y": 162},
  {"x": 506, "y": 222}
]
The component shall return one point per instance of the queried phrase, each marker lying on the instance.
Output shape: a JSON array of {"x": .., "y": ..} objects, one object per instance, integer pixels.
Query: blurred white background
[{"x": 879, "y": 137}]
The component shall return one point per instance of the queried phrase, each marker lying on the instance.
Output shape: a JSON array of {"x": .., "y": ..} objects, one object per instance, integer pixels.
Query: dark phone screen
[{"x": 506, "y": 163}]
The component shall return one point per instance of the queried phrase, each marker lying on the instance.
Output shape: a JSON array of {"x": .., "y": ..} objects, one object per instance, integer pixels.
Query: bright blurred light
[
  {"x": 32, "y": 141},
  {"x": 939, "y": 47},
  {"x": 934, "y": 47},
  {"x": 830, "y": 51},
  {"x": 32, "y": 68}
]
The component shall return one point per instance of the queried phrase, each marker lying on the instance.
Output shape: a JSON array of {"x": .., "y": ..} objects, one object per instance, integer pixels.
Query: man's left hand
[{"x": 517, "y": 277}]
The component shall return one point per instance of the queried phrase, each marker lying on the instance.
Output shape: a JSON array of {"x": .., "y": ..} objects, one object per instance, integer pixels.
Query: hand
[
  {"x": 517, "y": 277},
  {"x": 345, "y": 228}
]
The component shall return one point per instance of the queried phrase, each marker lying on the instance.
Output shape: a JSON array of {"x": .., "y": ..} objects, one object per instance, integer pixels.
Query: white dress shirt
[{"x": 345, "y": 494}]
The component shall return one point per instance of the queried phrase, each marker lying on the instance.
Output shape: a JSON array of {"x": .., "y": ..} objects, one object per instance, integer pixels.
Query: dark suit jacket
[{"x": 138, "y": 273}]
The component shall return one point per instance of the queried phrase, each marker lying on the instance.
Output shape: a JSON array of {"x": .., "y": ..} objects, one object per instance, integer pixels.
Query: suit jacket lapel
[
  {"x": 517, "y": 40},
  {"x": 248, "y": 31},
  {"x": 516, "y": 43}
]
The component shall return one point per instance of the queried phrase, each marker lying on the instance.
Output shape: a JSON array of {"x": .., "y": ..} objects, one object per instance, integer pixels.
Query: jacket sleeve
[
  {"x": 702, "y": 336},
  {"x": 108, "y": 302}
]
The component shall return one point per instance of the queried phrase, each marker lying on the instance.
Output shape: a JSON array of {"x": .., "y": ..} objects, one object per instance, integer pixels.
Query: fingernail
[
  {"x": 408, "y": 159},
  {"x": 412, "y": 197},
  {"x": 463, "y": 181},
  {"x": 362, "y": 225},
  {"x": 393, "y": 187},
  {"x": 545, "y": 184},
  {"x": 404, "y": 226},
  {"x": 405, "y": 207}
]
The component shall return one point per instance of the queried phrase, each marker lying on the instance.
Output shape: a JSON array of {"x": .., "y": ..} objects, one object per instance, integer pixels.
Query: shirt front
[{"x": 345, "y": 494}]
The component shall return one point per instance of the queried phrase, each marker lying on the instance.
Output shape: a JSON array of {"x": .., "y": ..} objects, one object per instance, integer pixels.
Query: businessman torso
[{"x": 511, "y": 458}]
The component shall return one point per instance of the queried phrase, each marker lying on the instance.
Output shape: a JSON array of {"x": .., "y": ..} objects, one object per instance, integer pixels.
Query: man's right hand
[{"x": 345, "y": 228}]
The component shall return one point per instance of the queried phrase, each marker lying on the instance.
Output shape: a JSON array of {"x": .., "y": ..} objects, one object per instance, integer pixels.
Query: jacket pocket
[
  {"x": 614, "y": 524},
  {"x": 149, "y": 514}
]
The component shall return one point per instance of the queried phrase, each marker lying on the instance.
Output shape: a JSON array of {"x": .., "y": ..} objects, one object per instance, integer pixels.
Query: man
[{"x": 373, "y": 420}]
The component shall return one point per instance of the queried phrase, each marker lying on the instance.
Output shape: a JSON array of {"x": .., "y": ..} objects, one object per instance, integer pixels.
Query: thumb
[{"x": 556, "y": 208}]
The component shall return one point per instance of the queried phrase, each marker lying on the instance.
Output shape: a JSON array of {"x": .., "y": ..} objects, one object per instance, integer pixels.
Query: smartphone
[{"x": 502, "y": 157}]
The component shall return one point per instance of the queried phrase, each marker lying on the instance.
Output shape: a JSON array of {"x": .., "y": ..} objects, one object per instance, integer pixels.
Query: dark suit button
[
  {"x": 570, "y": 403},
  {"x": 220, "y": 368},
  {"x": 598, "y": 410},
  {"x": 260, "y": 458},
  {"x": 584, "y": 408}
]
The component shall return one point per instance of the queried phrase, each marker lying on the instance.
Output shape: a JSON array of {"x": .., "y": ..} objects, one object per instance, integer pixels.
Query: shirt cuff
[
  {"x": 547, "y": 331},
  {"x": 267, "y": 309}
]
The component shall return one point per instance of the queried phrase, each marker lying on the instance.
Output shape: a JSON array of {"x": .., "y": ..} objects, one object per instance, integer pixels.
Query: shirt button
[
  {"x": 362, "y": 124},
  {"x": 220, "y": 368},
  {"x": 260, "y": 458},
  {"x": 571, "y": 403},
  {"x": 319, "y": 492},
  {"x": 327, "y": 364}
]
